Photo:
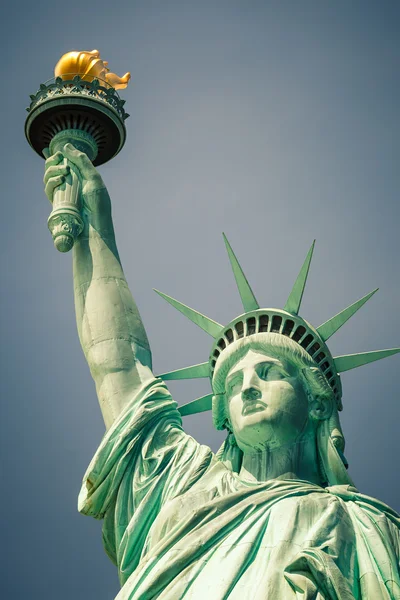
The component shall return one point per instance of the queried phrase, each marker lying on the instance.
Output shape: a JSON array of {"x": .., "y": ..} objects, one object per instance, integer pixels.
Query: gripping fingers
[
  {"x": 55, "y": 170},
  {"x": 81, "y": 160},
  {"x": 51, "y": 185},
  {"x": 55, "y": 159}
]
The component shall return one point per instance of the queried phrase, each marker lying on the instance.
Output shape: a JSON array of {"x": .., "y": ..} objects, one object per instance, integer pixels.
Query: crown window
[
  {"x": 229, "y": 335},
  {"x": 307, "y": 340},
  {"x": 239, "y": 329},
  {"x": 300, "y": 331},
  {"x": 263, "y": 323},
  {"x": 314, "y": 348},
  {"x": 288, "y": 327},
  {"x": 251, "y": 326},
  {"x": 276, "y": 323},
  {"x": 222, "y": 344}
]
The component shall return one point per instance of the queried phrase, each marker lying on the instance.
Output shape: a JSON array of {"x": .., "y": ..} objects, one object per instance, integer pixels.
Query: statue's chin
[
  {"x": 261, "y": 429},
  {"x": 254, "y": 432}
]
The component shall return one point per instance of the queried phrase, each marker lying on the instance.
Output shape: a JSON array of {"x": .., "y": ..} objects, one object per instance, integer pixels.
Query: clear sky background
[{"x": 276, "y": 122}]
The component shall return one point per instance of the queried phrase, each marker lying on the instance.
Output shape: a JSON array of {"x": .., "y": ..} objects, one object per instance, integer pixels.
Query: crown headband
[{"x": 285, "y": 322}]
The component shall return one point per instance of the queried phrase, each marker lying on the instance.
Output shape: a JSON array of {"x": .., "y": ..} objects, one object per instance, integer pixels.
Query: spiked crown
[{"x": 285, "y": 322}]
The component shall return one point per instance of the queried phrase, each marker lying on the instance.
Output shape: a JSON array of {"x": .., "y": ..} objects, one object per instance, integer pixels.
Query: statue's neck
[{"x": 296, "y": 461}]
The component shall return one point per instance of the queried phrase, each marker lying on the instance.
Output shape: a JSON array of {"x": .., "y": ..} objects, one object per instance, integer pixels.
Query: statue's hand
[{"x": 96, "y": 200}]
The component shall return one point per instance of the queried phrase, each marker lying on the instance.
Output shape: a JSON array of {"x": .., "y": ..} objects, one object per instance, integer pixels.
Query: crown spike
[
  {"x": 352, "y": 361},
  {"x": 208, "y": 325},
  {"x": 193, "y": 372},
  {"x": 246, "y": 293},
  {"x": 196, "y": 406},
  {"x": 332, "y": 325},
  {"x": 293, "y": 302}
]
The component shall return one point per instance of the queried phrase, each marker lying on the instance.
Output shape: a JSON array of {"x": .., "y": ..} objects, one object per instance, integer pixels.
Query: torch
[{"x": 80, "y": 106}]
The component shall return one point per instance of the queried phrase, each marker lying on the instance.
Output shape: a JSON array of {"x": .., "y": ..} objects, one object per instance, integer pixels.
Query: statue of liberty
[{"x": 274, "y": 513}]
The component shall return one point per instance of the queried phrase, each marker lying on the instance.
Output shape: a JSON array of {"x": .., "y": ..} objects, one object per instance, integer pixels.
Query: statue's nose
[{"x": 251, "y": 393}]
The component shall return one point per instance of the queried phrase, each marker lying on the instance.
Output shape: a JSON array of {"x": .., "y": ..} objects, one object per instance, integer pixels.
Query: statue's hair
[{"x": 276, "y": 346}]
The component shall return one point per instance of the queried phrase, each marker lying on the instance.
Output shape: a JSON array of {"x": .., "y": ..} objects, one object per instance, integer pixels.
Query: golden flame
[{"x": 88, "y": 65}]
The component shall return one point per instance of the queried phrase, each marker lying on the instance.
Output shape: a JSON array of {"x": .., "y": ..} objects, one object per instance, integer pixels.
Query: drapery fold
[{"x": 180, "y": 524}]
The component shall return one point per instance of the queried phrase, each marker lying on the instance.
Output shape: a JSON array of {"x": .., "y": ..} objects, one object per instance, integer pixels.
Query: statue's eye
[
  {"x": 263, "y": 371},
  {"x": 276, "y": 373},
  {"x": 234, "y": 386},
  {"x": 270, "y": 372}
]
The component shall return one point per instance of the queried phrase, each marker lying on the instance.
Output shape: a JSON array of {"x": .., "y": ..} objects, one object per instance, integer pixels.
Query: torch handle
[{"x": 65, "y": 221}]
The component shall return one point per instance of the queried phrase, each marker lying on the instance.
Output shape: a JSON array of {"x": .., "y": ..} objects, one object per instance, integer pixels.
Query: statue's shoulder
[{"x": 373, "y": 507}]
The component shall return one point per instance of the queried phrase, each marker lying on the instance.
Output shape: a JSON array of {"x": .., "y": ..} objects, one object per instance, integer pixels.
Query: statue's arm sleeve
[
  {"x": 144, "y": 460},
  {"x": 110, "y": 328}
]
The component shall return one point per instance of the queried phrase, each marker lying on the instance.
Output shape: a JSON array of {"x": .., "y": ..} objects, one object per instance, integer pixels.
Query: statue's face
[{"x": 266, "y": 403}]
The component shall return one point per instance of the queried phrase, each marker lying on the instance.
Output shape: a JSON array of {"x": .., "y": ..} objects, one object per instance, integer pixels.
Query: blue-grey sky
[{"x": 276, "y": 122}]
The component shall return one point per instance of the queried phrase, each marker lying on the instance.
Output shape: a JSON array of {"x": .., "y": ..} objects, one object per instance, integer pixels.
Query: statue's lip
[{"x": 252, "y": 406}]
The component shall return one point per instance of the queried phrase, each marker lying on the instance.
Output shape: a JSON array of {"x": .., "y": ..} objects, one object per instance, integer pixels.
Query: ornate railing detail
[{"x": 79, "y": 87}]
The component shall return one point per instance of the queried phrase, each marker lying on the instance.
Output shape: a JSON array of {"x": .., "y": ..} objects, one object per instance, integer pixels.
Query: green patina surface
[{"x": 274, "y": 514}]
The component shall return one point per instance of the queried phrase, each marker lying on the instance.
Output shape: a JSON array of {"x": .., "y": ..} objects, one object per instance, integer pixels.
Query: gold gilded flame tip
[{"x": 88, "y": 65}]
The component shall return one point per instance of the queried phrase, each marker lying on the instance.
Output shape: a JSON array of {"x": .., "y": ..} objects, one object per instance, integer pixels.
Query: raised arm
[{"x": 110, "y": 329}]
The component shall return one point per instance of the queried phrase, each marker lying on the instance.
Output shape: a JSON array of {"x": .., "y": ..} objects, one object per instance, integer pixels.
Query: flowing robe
[{"x": 179, "y": 523}]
